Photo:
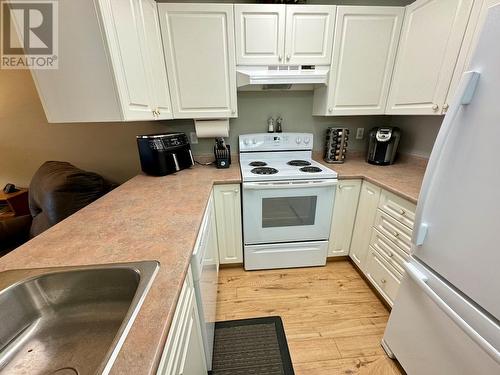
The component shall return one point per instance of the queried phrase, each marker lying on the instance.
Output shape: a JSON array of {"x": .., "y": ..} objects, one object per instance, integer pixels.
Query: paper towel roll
[{"x": 212, "y": 128}]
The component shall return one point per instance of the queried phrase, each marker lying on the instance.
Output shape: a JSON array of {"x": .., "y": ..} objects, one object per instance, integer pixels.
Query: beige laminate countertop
[
  {"x": 158, "y": 218},
  {"x": 146, "y": 218},
  {"x": 403, "y": 178}
]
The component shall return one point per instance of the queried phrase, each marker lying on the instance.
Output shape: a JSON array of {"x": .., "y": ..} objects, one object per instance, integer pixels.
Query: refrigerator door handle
[
  {"x": 465, "y": 94},
  {"x": 421, "y": 280}
]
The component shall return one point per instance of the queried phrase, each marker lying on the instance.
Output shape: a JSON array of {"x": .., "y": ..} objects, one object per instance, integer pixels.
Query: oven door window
[{"x": 288, "y": 211}]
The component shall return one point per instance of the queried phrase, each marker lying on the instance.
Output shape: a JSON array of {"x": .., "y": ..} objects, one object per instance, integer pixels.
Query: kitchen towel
[{"x": 212, "y": 128}]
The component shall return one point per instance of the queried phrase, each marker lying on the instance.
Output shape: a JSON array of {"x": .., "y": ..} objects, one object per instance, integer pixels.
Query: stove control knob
[
  {"x": 246, "y": 142},
  {"x": 298, "y": 140},
  {"x": 307, "y": 140},
  {"x": 254, "y": 141}
]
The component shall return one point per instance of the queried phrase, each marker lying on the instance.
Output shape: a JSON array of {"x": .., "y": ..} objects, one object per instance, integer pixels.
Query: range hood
[{"x": 281, "y": 77}]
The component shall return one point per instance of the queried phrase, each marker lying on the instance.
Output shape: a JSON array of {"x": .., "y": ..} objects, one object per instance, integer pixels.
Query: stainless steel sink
[{"x": 71, "y": 320}]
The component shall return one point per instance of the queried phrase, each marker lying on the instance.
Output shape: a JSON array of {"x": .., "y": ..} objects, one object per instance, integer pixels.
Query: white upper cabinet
[
  {"x": 278, "y": 34},
  {"x": 131, "y": 46},
  {"x": 474, "y": 27},
  {"x": 159, "y": 85},
  {"x": 260, "y": 34},
  {"x": 309, "y": 34},
  {"x": 198, "y": 41},
  {"x": 429, "y": 46},
  {"x": 110, "y": 68},
  {"x": 364, "y": 50}
]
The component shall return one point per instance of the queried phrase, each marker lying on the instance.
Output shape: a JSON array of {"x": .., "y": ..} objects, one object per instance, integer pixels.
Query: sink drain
[{"x": 66, "y": 371}]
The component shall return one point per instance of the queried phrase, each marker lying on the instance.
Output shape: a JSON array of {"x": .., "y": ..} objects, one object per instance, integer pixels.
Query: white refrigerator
[{"x": 445, "y": 319}]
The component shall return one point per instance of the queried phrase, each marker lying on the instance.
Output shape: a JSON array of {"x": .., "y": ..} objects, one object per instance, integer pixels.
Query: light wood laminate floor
[{"x": 333, "y": 321}]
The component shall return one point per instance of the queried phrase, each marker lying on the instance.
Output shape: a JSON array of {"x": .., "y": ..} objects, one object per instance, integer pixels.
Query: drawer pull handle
[
  {"x": 395, "y": 234},
  {"x": 383, "y": 281}
]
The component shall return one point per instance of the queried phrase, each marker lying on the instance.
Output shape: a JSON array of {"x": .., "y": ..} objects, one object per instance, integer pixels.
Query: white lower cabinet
[
  {"x": 228, "y": 219},
  {"x": 382, "y": 276},
  {"x": 183, "y": 353},
  {"x": 367, "y": 209},
  {"x": 344, "y": 214},
  {"x": 382, "y": 238}
]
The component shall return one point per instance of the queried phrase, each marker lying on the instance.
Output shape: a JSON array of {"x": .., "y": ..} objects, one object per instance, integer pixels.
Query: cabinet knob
[
  {"x": 402, "y": 212},
  {"x": 280, "y": 58},
  {"x": 340, "y": 187},
  {"x": 383, "y": 281},
  {"x": 233, "y": 111},
  {"x": 435, "y": 107},
  {"x": 390, "y": 255},
  {"x": 287, "y": 57},
  {"x": 236, "y": 191},
  {"x": 330, "y": 109},
  {"x": 395, "y": 234},
  {"x": 445, "y": 107}
]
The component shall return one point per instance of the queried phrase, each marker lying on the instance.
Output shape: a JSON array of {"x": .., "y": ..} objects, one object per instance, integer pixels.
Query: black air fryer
[
  {"x": 162, "y": 154},
  {"x": 383, "y": 145}
]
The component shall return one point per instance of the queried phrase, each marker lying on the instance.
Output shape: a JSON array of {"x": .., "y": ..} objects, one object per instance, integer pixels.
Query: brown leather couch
[{"x": 57, "y": 190}]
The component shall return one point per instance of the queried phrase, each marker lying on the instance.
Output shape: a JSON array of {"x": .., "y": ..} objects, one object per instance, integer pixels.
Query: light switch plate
[
  {"x": 360, "y": 132},
  {"x": 193, "y": 138}
]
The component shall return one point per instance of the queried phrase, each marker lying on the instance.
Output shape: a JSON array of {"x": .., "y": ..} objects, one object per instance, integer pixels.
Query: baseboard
[
  {"x": 231, "y": 265},
  {"x": 377, "y": 293},
  {"x": 341, "y": 258}
]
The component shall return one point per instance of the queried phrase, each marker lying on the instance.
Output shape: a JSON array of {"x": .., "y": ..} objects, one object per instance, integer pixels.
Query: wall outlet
[
  {"x": 360, "y": 132},
  {"x": 193, "y": 138}
]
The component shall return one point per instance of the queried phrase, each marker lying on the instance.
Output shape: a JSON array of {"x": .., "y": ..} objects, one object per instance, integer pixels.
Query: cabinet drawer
[
  {"x": 388, "y": 250},
  {"x": 382, "y": 276},
  {"x": 399, "y": 208},
  {"x": 395, "y": 231}
]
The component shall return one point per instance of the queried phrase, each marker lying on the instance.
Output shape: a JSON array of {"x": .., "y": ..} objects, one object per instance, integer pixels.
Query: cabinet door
[
  {"x": 192, "y": 360},
  {"x": 123, "y": 28},
  {"x": 199, "y": 50},
  {"x": 365, "y": 217},
  {"x": 474, "y": 28},
  {"x": 309, "y": 34},
  {"x": 344, "y": 214},
  {"x": 183, "y": 353},
  {"x": 428, "y": 50},
  {"x": 159, "y": 83},
  {"x": 260, "y": 33},
  {"x": 364, "y": 50},
  {"x": 228, "y": 218}
]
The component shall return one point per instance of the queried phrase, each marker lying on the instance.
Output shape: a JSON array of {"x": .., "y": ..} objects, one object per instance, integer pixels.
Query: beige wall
[
  {"x": 418, "y": 133},
  {"x": 27, "y": 140}
]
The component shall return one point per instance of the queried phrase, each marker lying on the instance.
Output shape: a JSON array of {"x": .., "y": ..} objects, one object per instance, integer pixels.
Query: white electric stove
[{"x": 287, "y": 201}]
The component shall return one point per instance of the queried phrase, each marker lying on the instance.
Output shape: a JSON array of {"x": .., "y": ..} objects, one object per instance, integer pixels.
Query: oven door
[{"x": 287, "y": 211}]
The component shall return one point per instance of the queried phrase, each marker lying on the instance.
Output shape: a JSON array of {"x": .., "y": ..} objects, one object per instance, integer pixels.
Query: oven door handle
[{"x": 288, "y": 184}]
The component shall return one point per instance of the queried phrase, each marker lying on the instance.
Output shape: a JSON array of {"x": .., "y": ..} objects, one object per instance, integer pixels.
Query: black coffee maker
[{"x": 383, "y": 145}]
